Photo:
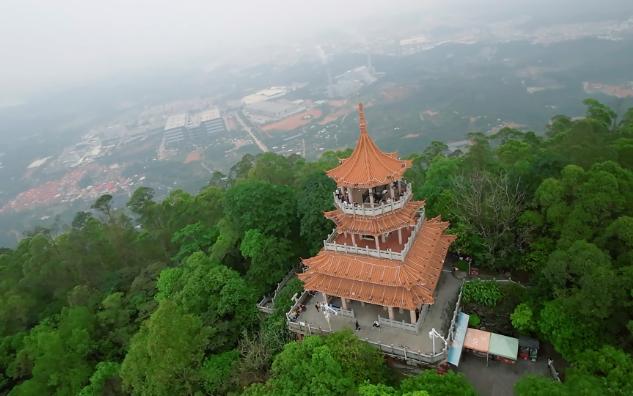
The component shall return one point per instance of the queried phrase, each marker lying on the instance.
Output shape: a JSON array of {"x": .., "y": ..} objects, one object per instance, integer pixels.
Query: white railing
[
  {"x": 407, "y": 354},
  {"x": 296, "y": 306},
  {"x": 347, "y": 313},
  {"x": 399, "y": 352},
  {"x": 330, "y": 244},
  {"x": 398, "y": 324},
  {"x": 376, "y": 209},
  {"x": 267, "y": 303},
  {"x": 414, "y": 327},
  {"x": 451, "y": 326}
]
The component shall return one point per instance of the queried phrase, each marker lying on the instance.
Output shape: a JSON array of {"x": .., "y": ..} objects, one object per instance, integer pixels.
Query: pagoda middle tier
[{"x": 376, "y": 225}]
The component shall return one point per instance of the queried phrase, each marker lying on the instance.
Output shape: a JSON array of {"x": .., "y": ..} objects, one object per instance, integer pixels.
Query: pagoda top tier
[{"x": 368, "y": 166}]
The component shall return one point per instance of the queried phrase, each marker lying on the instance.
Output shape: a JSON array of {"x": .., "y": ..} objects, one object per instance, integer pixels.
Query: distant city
[{"x": 427, "y": 86}]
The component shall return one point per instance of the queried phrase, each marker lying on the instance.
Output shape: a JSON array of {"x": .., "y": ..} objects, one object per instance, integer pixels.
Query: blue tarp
[{"x": 455, "y": 350}]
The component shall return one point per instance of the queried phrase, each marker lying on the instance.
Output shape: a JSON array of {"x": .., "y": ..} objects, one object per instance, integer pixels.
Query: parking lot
[{"x": 498, "y": 378}]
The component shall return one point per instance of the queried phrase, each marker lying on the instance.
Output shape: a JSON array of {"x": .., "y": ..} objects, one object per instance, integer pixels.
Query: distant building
[
  {"x": 186, "y": 129},
  {"x": 352, "y": 81},
  {"x": 270, "y": 111},
  {"x": 264, "y": 95},
  {"x": 412, "y": 45}
]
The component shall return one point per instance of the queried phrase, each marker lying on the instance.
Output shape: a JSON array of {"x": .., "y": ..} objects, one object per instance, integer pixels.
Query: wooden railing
[
  {"x": 376, "y": 209},
  {"x": 330, "y": 244}
]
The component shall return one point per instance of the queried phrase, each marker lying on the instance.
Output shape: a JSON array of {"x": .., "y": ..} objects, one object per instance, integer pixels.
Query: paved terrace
[{"x": 438, "y": 316}]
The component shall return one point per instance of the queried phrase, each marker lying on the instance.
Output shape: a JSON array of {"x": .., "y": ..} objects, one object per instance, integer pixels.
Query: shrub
[
  {"x": 522, "y": 318},
  {"x": 462, "y": 265},
  {"x": 474, "y": 320},
  {"x": 486, "y": 293}
]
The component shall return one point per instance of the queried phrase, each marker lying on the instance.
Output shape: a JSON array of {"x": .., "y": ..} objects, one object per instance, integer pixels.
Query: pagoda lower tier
[{"x": 408, "y": 284}]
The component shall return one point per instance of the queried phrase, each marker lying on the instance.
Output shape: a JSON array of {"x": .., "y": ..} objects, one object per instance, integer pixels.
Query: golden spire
[{"x": 362, "y": 123}]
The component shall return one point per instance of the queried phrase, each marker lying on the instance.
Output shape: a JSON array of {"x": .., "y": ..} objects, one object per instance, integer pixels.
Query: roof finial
[{"x": 362, "y": 123}]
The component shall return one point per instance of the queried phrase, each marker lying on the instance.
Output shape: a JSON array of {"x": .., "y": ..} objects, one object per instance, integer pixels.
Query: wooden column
[
  {"x": 400, "y": 309},
  {"x": 371, "y": 197},
  {"x": 393, "y": 194},
  {"x": 344, "y": 303},
  {"x": 349, "y": 195},
  {"x": 377, "y": 243},
  {"x": 400, "y": 236},
  {"x": 324, "y": 297},
  {"x": 353, "y": 240},
  {"x": 390, "y": 310},
  {"x": 413, "y": 318}
]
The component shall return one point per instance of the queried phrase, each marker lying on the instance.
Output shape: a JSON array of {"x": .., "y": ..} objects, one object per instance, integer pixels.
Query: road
[{"x": 248, "y": 129}]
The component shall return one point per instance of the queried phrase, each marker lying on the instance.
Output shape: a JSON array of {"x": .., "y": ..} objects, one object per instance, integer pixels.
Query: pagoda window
[{"x": 367, "y": 237}]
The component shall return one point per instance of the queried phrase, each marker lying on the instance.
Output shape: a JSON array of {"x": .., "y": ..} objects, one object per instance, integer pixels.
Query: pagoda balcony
[
  {"x": 367, "y": 209},
  {"x": 392, "y": 249}
]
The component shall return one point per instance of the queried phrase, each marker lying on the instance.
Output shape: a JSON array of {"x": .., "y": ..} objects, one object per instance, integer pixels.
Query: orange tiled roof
[
  {"x": 404, "y": 284},
  {"x": 368, "y": 166},
  {"x": 375, "y": 225}
]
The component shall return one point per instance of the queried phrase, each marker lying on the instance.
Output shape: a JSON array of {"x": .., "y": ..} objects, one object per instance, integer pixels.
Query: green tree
[
  {"x": 258, "y": 205},
  {"x": 273, "y": 168},
  {"x": 315, "y": 197},
  {"x": 569, "y": 335},
  {"x": 217, "y": 372},
  {"x": 270, "y": 259},
  {"x": 56, "y": 355},
  {"x": 214, "y": 293},
  {"x": 104, "y": 381},
  {"x": 103, "y": 204},
  {"x": 376, "y": 390},
  {"x": 193, "y": 238},
  {"x": 523, "y": 318},
  {"x": 323, "y": 366},
  {"x": 600, "y": 112},
  {"x": 166, "y": 355},
  {"x": 114, "y": 326},
  {"x": 449, "y": 384},
  {"x": 534, "y": 385}
]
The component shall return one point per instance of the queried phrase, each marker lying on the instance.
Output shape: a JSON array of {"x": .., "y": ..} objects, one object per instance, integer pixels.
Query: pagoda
[{"x": 383, "y": 250}]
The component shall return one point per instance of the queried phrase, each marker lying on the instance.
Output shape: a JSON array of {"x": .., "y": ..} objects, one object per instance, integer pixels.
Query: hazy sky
[{"x": 52, "y": 43}]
